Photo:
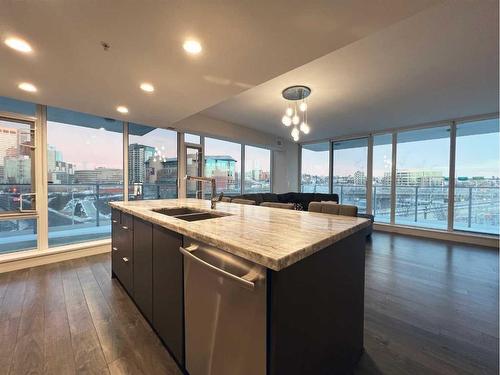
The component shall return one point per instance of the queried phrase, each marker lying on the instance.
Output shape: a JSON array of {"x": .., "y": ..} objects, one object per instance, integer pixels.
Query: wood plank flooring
[{"x": 431, "y": 307}]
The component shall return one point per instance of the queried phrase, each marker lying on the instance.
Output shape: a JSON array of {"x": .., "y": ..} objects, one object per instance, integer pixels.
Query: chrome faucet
[{"x": 213, "y": 198}]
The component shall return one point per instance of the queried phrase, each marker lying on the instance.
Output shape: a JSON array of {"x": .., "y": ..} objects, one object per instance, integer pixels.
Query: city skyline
[
  {"x": 82, "y": 156},
  {"x": 477, "y": 157}
]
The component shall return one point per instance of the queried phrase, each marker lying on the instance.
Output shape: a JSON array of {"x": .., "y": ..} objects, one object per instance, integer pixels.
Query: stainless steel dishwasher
[{"x": 225, "y": 312}]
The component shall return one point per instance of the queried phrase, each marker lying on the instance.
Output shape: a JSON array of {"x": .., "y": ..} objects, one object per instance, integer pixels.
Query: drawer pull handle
[
  {"x": 125, "y": 259},
  {"x": 114, "y": 221},
  {"x": 114, "y": 248},
  {"x": 124, "y": 227}
]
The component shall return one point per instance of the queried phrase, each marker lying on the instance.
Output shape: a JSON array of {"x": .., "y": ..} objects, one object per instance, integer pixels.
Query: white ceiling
[
  {"x": 439, "y": 64},
  {"x": 245, "y": 44}
]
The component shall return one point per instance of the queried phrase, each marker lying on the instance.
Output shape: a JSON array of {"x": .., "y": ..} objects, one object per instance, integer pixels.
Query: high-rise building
[
  {"x": 417, "y": 177},
  {"x": 223, "y": 169},
  {"x": 359, "y": 178},
  {"x": 138, "y": 155},
  {"x": 17, "y": 169},
  {"x": 99, "y": 175},
  {"x": 61, "y": 173},
  {"x": 8, "y": 140},
  {"x": 53, "y": 156}
]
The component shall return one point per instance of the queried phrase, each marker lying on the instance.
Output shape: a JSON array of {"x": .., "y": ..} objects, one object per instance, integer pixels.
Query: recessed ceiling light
[
  {"x": 18, "y": 44},
  {"x": 27, "y": 87},
  {"x": 192, "y": 46},
  {"x": 122, "y": 109},
  {"x": 148, "y": 87}
]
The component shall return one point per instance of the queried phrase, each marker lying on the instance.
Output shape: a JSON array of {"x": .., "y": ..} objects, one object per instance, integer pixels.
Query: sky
[
  {"x": 87, "y": 148},
  {"x": 90, "y": 148},
  {"x": 476, "y": 155}
]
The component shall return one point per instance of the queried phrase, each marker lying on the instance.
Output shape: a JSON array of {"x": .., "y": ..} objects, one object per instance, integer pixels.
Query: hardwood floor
[
  {"x": 70, "y": 317},
  {"x": 430, "y": 308}
]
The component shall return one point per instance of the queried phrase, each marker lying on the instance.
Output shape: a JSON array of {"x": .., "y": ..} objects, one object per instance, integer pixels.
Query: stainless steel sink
[
  {"x": 175, "y": 211},
  {"x": 189, "y": 214},
  {"x": 198, "y": 216}
]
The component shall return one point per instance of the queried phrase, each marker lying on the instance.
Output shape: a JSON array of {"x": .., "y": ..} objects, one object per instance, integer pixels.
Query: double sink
[{"x": 189, "y": 214}]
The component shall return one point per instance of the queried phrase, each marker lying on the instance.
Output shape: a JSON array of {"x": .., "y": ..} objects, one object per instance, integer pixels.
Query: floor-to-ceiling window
[
  {"x": 422, "y": 171},
  {"x": 84, "y": 172},
  {"x": 477, "y": 181},
  {"x": 17, "y": 168},
  {"x": 223, "y": 162},
  {"x": 381, "y": 180},
  {"x": 315, "y": 168},
  {"x": 350, "y": 170},
  {"x": 257, "y": 170},
  {"x": 152, "y": 162}
]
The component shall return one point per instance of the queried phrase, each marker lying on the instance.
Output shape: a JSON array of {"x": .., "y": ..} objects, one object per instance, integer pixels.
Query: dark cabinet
[
  {"x": 143, "y": 267},
  {"x": 168, "y": 290},
  {"x": 122, "y": 249}
]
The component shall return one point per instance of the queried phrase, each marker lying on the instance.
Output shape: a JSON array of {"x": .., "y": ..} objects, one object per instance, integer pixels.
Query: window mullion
[
  {"x": 451, "y": 175},
  {"x": 393, "y": 176},
  {"x": 41, "y": 182},
  {"x": 125, "y": 162}
]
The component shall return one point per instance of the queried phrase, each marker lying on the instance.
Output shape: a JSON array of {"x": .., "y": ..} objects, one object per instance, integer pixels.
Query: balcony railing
[
  {"x": 476, "y": 208},
  {"x": 77, "y": 212}
]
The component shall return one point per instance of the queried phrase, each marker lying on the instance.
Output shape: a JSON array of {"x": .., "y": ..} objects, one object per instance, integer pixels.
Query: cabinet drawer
[
  {"x": 122, "y": 256},
  {"x": 115, "y": 216},
  {"x": 127, "y": 222}
]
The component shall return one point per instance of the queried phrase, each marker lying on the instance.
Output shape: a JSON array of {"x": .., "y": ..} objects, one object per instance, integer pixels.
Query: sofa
[
  {"x": 333, "y": 208},
  {"x": 300, "y": 200}
]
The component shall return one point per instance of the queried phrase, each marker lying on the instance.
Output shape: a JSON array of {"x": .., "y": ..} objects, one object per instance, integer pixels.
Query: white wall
[
  {"x": 285, "y": 156},
  {"x": 286, "y": 168}
]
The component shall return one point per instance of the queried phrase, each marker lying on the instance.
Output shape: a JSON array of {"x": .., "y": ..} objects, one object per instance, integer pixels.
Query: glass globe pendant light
[
  {"x": 304, "y": 128},
  {"x": 296, "y": 110}
]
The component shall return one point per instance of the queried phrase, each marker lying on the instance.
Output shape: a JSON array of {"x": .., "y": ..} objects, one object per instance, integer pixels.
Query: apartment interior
[{"x": 232, "y": 187}]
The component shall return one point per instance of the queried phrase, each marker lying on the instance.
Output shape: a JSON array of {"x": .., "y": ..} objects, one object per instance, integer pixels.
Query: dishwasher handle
[{"x": 247, "y": 281}]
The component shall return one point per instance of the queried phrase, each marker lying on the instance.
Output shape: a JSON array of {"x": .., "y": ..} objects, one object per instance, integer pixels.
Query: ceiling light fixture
[
  {"x": 192, "y": 47},
  {"x": 297, "y": 108},
  {"x": 148, "y": 87},
  {"x": 26, "y": 86},
  {"x": 122, "y": 109},
  {"x": 18, "y": 44}
]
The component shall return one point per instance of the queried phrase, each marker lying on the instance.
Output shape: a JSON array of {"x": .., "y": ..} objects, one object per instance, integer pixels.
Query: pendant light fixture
[{"x": 296, "y": 110}]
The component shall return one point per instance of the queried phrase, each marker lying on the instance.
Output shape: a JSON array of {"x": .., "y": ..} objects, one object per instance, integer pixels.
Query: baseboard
[
  {"x": 33, "y": 258},
  {"x": 468, "y": 238}
]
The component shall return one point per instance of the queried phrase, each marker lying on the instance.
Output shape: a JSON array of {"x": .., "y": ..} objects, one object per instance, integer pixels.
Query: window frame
[
  {"x": 452, "y": 123},
  {"x": 39, "y": 178}
]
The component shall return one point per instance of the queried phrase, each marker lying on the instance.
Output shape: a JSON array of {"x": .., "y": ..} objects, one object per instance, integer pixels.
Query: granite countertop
[{"x": 272, "y": 237}]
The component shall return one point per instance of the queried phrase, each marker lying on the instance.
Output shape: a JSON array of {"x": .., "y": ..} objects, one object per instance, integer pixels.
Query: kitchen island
[{"x": 244, "y": 289}]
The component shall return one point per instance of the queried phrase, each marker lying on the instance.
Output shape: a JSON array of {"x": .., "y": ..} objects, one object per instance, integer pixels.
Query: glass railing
[
  {"x": 80, "y": 212},
  {"x": 354, "y": 195},
  {"x": 422, "y": 206},
  {"x": 381, "y": 206},
  {"x": 152, "y": 191},
  {"x": 477, "y": 209},
  {"x": 10, "y": 196},
  {"x": 314, "y": 187}
]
